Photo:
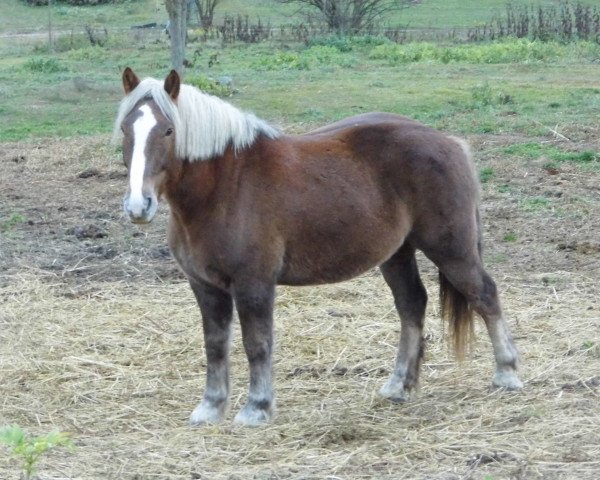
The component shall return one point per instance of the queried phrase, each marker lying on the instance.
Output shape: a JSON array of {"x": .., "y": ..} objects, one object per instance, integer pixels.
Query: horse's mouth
[{"x": 140, "y": 220}]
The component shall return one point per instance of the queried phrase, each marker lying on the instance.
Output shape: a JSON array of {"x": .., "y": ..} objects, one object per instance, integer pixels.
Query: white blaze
[{"x": 141, "y": 129}]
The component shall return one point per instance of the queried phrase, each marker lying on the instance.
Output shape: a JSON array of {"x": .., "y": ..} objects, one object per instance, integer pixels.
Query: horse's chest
[{"x": 195, "y": 258}]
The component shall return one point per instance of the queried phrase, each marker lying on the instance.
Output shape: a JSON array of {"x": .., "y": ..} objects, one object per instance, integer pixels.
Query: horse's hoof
[
  {"x": 253, "y": 416},
  {"x": 206, "y": 414},
  {"x": 507, "y": 380},
  {"x": 395, "y": 392}
]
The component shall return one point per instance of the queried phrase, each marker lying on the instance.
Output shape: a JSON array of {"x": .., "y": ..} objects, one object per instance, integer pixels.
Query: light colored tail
[{"x": 457, "y": 311}]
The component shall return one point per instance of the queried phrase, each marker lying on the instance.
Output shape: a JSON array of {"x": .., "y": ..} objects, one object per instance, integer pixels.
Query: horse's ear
[
  {"x": 172, "y": 84},
  {"x": 130, "y": 80}
]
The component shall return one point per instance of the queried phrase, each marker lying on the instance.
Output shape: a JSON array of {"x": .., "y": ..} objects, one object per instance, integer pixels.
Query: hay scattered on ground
[{"x": 108, "y": 346}]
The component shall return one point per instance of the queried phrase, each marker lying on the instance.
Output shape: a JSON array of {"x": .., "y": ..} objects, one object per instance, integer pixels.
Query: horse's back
[
  {"x": 366, "y": 120},
  {"x": 399, "y": 148}
]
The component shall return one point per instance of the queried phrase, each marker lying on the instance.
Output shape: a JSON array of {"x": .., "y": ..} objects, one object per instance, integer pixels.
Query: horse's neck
[{"x": 200, "y": 186}]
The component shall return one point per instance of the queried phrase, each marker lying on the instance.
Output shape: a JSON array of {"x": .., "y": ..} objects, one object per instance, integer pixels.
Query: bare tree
[
  {"x": 351, "y": 16},
  {"x": 177, "y": 10},
  {"x": 206, "y": 11}
]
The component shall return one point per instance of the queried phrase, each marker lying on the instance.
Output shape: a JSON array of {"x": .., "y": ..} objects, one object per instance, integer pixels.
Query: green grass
[
  {"x": 11, "y": 222},
  {"x": 555, "y": 155},
  {"x": 42, "y": 95},
  {"x": 16, "y": 16},
  {"x": 498, "y": 88},
  {"x": 486, "y": 174},
  {"x": 534, "y": 204}
]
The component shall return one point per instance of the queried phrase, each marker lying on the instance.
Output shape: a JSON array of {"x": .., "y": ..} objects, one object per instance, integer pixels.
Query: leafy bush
[
  {"x": 44, "y": 65},
  {"x": 211, "y": 86}
]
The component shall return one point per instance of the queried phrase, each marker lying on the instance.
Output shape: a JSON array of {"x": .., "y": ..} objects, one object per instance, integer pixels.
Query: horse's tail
[
  {"x": 455, "y": 308},
  {"x": 457, "y": 311}
]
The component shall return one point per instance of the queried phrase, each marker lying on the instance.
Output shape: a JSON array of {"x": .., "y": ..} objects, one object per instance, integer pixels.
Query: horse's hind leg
[
  {"x": 216, "y": 307},
  {"x": 402, "y": 275},
  {"x": 469, "y": 278}
]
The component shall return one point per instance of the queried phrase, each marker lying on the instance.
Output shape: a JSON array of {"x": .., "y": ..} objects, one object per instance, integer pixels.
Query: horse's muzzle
[{"x": 140, "y": 212}]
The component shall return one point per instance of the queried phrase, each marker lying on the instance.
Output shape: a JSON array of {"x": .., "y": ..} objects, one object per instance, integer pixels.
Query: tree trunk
[{"x": 177, "y": 10}]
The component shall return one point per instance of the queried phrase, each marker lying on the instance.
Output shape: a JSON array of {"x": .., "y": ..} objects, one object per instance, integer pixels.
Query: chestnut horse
[{"x": 252, "y": 207}]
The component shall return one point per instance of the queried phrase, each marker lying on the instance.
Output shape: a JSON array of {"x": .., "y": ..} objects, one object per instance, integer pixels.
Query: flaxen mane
[{"x": 204, "y": 125}]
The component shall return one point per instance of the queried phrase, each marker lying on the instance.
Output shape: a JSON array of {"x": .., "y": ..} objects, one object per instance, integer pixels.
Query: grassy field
[
  {"x": 99, "y": 333},
  {"x": 515, "y": 86}
]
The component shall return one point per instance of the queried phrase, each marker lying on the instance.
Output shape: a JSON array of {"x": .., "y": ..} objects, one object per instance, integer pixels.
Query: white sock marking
[{"x": 141, "y": 129}]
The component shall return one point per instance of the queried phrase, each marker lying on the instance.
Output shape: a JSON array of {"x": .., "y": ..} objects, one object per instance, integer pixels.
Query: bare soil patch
[{"x": 100, "y": 337}]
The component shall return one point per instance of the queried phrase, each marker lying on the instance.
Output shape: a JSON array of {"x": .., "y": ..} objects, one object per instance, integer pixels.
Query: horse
[{"x": 252, "y": 208}]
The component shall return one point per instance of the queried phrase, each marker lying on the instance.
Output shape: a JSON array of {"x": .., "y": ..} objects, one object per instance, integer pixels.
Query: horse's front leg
[
  {"x": 216, "y": 307},
  {"x": 254, "y": 302}
]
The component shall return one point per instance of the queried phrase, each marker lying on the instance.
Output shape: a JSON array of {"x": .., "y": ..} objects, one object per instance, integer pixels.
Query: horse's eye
[
  {"x": 122, "y": 128},
  {"x": 169, "y": 132}
]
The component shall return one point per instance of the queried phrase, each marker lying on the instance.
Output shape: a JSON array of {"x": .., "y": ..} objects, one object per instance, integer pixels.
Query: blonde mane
[{"x": 204, "y": 125}]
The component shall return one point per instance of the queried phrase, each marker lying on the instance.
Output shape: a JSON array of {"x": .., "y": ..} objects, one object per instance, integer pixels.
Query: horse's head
[{"x": 148, "y": 145}]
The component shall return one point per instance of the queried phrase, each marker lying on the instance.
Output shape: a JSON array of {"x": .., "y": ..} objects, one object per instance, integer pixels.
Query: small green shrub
[
  {"x": 281, "y": 61},
  {"x": 44, "y": 65},
  {"x": 484, "y": 95},
  {"x": 211, "y": 86},
  {"x": 29, "y": 449},
  {"x": 510, "y": 237},
  {"x": 88, "y": 54}
]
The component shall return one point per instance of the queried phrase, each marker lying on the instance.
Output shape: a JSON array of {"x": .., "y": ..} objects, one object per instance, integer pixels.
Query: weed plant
[
  {"x": 44, "y": 65},
  {"x": 28, "y": 449}
]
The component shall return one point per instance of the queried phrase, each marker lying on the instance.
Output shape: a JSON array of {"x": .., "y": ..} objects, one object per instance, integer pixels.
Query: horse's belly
[{"x": 335, "y": 262}]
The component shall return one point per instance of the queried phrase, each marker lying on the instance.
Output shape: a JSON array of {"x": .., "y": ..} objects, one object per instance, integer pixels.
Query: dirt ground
[{"x": 100, "y": 337}]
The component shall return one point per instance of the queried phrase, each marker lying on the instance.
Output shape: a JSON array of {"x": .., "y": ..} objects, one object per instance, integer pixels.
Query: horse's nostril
[{"x": 148, "y": 203}]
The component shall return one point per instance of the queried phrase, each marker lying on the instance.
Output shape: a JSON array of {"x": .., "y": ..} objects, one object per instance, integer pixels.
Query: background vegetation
[{"x": 516, "y": 85}]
